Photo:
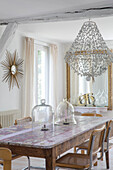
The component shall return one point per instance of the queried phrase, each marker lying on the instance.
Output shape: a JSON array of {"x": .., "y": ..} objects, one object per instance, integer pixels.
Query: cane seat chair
[
  {"x": 86, "y": 114},
  {"x": 5, "y": 158},
  {"x": 20, "y": 122},
  {"x": 91, "y": 114},
  {"x": 107, "y": 144},
  {"x": 84, "y": 161}
]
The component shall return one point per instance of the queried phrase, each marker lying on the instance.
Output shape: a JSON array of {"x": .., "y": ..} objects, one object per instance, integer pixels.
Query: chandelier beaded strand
[{"x": 89, "y": 55}]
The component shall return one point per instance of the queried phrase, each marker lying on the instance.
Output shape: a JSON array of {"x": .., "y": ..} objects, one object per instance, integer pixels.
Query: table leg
[
  {"x": 107, "y": 159},
  {"x": 50, "y": 160}
]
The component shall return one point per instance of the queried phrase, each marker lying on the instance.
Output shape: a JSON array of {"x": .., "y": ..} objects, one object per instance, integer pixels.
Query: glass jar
[
  {"x": 65, "y": 113},
  {"x": 97, "y": 98},
  {"x": 42, "y": 114},
  {"x": 103, "y": 99}
]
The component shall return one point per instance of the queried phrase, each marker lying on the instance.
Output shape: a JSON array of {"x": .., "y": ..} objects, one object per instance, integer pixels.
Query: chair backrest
[
  {"x": 108, "y": 131},
  {"x": 42, "y": 113},
  {"x": 91, "y": 114},
  {"x": 22, "y": 120},
  {"x": 6, "y": 156},
  {"x": 96, "y": 140},
  {"x": 0, "y": 126}
]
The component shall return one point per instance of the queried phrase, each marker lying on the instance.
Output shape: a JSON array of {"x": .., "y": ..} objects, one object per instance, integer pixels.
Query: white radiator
[{"x": 7, "y": 118}]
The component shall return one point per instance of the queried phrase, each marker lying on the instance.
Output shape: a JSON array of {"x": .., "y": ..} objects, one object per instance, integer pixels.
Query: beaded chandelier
[{"x": 89, "y": 55}]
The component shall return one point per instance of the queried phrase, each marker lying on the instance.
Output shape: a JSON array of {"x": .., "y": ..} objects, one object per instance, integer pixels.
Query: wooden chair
[
  {"x": 91, "y": 114},
  {"x": 107, "y": 144},
  {"x": 20, "y": 122},
  {"x": 84, "y": 161},
  {"x": 86, "y": 114},
  {"x": 5, "y": 158}
]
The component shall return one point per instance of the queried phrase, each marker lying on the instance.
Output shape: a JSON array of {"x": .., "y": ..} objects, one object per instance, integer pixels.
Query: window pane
[{"x": 41, "y": 75}]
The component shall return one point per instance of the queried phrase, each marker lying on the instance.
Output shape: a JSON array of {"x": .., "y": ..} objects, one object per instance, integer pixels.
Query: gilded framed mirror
[{"x": 108, "y": 81}]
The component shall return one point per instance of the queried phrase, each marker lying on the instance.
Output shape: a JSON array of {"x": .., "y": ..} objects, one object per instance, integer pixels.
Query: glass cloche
[
  {"x": 65, "y": 113},
  {"x": 42, "y": 114}
]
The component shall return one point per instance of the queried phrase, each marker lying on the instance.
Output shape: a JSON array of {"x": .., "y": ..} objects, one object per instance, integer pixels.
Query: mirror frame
[{"x": 109, "y": 84}]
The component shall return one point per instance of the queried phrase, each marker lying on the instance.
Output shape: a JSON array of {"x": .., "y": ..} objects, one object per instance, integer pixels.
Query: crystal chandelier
[{"x": 89, "y": 55}]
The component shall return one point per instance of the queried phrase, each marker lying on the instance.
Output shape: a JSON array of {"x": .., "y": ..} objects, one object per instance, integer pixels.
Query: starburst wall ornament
[{"x": 13, "y": 69}]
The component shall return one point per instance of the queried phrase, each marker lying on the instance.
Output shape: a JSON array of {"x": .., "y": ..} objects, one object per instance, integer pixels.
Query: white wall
[{"x": 10, "y": 99}]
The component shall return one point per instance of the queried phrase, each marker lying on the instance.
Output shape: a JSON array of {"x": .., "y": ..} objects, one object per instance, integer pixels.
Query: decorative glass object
[
  {"x": 97, "y": 98},
  {"x": 42, "y": 114},
  {"x": 101, "y": 99},
  {"x": 89, "y": 55},
  {"x": 65, "y": 113},
  {"x": 87, "y": 99}
]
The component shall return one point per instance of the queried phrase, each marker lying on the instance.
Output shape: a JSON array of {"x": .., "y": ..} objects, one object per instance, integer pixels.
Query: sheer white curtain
[
  {"x": 28, "y": 88},
  {"x": 53, "y": 88}
]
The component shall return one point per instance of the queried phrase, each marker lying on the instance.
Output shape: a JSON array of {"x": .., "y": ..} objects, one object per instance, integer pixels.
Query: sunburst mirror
[{"x": 13, "y": 69}]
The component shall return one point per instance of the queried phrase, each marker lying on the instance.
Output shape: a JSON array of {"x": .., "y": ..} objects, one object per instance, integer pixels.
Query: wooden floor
[{"x": 20, "y": 163}]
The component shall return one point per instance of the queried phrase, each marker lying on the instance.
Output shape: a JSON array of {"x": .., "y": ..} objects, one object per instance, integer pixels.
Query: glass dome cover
[
  {"x": 65, "y": 113},
  {"x": 42, "y": 114}
]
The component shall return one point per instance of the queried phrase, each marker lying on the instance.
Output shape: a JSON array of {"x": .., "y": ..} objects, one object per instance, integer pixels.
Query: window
[{"x": 41, "y": 73}]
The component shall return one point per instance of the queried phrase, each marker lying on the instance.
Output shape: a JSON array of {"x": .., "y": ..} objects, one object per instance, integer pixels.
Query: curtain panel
[
  {"x": 28, "y": 87},
  {"x": 53, "y": 88}
]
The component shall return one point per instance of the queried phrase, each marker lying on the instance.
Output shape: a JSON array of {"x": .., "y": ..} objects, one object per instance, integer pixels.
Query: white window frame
[{"x": 38, "y": 45}]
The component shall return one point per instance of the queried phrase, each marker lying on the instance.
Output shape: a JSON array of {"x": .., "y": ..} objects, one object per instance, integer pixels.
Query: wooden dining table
[{"x": 26, "y": 140}]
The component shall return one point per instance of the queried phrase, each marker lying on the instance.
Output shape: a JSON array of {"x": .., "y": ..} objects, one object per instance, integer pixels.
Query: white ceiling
[
  {"x": 40, "y": 10},
  {"x": 65, "y": 31},
  {"x": 26, "y": 8},
  {"x": 67, "y": 13}
]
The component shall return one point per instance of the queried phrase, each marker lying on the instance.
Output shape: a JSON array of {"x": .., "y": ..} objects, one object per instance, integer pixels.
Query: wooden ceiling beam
[
  {"x": 7, "y": 37},
  {"x": 71, "y": 14}
]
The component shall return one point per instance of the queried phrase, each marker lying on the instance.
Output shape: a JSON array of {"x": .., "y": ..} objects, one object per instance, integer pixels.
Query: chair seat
[{"x": 74, "y": 160}]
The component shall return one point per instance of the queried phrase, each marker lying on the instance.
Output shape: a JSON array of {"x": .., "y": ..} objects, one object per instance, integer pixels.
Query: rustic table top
[{"x": 24, "y": 135}]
